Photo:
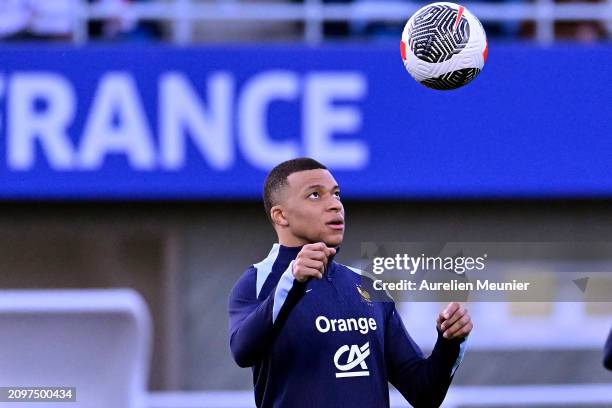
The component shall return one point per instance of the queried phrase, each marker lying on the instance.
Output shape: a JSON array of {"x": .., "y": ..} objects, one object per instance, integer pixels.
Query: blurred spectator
[
  {"x": 582, "y": 31},
  {"x": 609, "y": 23},
  {"x": 123, "y": 26},
  {"x": 335, "y": 29},
  {"x": 54, "y": 20},
  {"x": 245, "y": 31},
  {"x": 508, "y": 30},
  {"x": 15, "y": 17},
  {"x": 51, "y": 19},
  {"x": 393, "y": 30},
  {"x": 35, "y": 19}
]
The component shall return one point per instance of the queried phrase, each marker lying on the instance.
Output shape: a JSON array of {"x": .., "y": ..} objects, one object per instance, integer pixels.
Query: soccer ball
[{"x": 443, "y": 46}]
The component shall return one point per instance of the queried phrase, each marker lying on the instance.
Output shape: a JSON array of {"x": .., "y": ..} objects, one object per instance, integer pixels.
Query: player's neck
[
  {"x": 286, "y": 238},
  {"x": 291, "y": 241}
]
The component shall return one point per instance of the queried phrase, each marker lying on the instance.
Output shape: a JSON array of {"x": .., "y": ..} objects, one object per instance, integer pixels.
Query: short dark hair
[{"x": 277, "y": 178}]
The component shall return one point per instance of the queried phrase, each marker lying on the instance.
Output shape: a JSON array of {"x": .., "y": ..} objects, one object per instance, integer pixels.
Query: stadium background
[{"x": 136, "y": 136}]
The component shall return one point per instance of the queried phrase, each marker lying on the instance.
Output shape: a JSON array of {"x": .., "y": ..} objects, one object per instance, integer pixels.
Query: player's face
[{"x": 313, "y": 208}]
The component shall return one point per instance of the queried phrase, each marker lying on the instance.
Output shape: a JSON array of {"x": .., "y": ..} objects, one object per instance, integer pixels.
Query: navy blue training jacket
[{"x": 325, "y": 343}]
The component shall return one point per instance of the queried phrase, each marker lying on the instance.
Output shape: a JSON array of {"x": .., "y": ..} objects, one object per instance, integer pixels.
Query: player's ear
[{"x": 278, "y": 217}]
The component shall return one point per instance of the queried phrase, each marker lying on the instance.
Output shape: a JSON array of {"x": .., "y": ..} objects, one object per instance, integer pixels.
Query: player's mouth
[{"x": 336, "y": 223}]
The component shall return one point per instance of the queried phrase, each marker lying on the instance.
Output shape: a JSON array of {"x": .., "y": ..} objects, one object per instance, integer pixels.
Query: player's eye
[
  {"x": 314, "y": 194},
  {"x": 337, "y": 194}
]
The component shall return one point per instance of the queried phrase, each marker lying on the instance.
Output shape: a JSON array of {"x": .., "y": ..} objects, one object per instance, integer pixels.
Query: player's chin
[{"x": 333, "y": 238}]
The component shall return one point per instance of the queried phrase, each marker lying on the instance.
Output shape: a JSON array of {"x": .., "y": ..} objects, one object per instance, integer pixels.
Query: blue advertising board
[{"x": 204, "y": 123}]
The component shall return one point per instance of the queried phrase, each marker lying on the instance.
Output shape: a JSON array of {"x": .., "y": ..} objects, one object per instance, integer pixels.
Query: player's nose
[{"x": 334, "y": 205}]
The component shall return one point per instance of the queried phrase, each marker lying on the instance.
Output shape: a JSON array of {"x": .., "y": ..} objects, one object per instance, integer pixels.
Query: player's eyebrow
[{"x": 321, "y": 186}]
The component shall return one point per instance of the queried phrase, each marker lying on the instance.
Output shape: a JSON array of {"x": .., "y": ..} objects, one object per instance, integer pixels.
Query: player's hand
[
  {"x": 311, "y": 261},
  {"x": 454, "y": 322}
]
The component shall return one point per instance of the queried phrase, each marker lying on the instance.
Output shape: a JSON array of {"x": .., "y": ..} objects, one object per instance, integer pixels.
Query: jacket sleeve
[
  {"x": 422, "y": 381},
  {"x": 253, "y": 322},
  {"x": 608, "y": 352}
]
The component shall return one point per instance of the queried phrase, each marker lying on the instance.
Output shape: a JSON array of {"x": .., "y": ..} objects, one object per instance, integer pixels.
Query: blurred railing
[
  {"x": 500, "y": 329},
  {"x": 561, "y": 395},
  {"x": 182, "y": 14}
]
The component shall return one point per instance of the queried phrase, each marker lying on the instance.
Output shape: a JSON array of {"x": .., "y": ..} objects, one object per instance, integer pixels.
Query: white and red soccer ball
[{"x": 443, "y": 46}]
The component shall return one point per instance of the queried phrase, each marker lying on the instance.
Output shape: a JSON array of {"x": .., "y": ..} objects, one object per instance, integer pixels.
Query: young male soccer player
[{"x": 307, "y": 325}]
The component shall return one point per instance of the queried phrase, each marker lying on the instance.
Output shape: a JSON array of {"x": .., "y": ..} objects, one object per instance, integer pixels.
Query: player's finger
[
  {"x": 450, "y": 309},
  {"x": 311, "y": 272},
  {"x": 329, "y": 251},
  {"x": 459, "y": 313},
  {"x": 464, "y": 331},
  {"x": 309, "y": 263},
  {"x": 467, "y": 329},
  {"x": 439, "y": 320},
  {"x": 317, "y": 246},
  {"x": 312, "y": 263},
  {"x": 457, "y": 326},
  {"x": 318, "y": 255},
  {"x": 302, "y": 273}
]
